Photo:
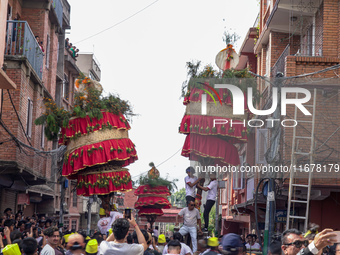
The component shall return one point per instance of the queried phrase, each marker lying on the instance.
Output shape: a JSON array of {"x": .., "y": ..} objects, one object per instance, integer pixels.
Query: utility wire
[
  {"x": 169, "y": 157},
  {"x": 19, "y": 143},
  {"x": 317, "y": 72},
  {"x": 22, "y": 127},
  {"x": 58, "y": 153},
  {"x": 116, "y": 24},
  {"x": 160, "y": 163},
  {"x": 324, "y": 143},
  {"x": 120, "y": 22}
]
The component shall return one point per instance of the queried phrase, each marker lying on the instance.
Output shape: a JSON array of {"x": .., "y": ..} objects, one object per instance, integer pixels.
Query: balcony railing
[
  {"x": 20, "y": 40},
  {"x": 58, "y": 7},
  {"x": 280, "y": 65}
]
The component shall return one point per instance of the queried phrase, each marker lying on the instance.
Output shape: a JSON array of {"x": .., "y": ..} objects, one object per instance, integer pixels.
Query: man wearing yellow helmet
[
  {"x": 213, "y": 246},
  {"x": 91, "y": 247},
  {"x": 161, "y": 242}
]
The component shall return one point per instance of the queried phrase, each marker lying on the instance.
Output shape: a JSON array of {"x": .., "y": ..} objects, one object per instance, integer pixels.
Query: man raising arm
[{"x": 115, "y": 243}]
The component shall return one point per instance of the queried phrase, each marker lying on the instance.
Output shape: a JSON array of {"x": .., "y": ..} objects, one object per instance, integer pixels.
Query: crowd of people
[
  {"x": 117, "y": 233},
  {"x": 34, "y": 236},
  {"x": 71, "y": 48}
]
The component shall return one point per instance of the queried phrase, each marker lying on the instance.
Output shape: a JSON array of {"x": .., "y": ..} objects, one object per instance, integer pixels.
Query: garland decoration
[
  {"x": 95, "y": 132},
  {"x": 88, "y": 102}
]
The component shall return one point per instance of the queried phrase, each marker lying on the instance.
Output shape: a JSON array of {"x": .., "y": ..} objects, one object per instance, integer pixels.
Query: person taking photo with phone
[{"x": 115, "y": 243}]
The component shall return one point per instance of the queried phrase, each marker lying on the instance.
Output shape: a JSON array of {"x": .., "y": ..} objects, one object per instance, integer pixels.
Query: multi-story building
[
  {"x": 35, "y": 58},
  {"x": 295, "y": 38}
]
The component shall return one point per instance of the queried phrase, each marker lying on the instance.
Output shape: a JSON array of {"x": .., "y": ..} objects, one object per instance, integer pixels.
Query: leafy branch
[
  {"x": 154, "y": 182},
  {"x": 87, "y": 102},
  {"x": 240, "y": 78}
]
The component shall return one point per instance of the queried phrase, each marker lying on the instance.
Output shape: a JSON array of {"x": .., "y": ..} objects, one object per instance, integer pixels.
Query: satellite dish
[{"x": 227, "y": 58}]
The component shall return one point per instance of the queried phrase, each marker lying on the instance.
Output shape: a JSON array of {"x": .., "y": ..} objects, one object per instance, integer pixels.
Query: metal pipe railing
[
  {"x": 58, "y": 7},
  {"x": 20, "y": 40}
]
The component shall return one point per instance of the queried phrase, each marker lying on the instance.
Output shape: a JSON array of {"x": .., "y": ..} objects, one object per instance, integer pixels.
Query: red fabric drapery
[
  {"x": 148, "y": 190},
  {"x": 103, "y": 183},
  {"x": 150, "y": 211},
  {"x": 224, "y": 94},
  {"x": 205, "y": 125},
  {"x": 196, "y": 146},
  {"x": 82, "y": 126},
  {"x": 122, "y": 150},
  {"x": 152, "y": 202}
]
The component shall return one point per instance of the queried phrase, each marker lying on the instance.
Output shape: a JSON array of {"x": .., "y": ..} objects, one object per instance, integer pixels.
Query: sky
[{"x": 143, "y": 60}]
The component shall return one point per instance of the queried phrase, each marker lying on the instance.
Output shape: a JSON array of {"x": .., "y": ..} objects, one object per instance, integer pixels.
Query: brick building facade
[
  {"x": 294, "y": 38},
  {"x": 40, "y": 68}
]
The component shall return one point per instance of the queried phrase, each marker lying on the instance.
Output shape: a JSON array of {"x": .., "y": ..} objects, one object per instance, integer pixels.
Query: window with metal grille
[
  {"x": 312, "y": 35},
  {"x": 29, "y": 117},
  {"x": 261, "y": 145}
]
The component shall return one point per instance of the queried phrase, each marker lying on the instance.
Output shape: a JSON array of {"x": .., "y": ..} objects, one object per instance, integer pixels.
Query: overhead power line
[
  {"x": 118, "y": 23},
  {"x": 160, "y": 163}
]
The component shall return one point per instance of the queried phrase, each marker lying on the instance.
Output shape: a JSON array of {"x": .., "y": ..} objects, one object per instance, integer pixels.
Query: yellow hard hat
[
  {"x": 110, "y": 231},
  {"x": 88, "y": 238},
  {"x": 92, "y": 246},
  {"x": 11, "y": 249},
  {"x": 102, "y": 211},
  {"x": 66, "y": 237},
  {"x": 161, "y": 239},
  {"x": 213, "y": 242}
]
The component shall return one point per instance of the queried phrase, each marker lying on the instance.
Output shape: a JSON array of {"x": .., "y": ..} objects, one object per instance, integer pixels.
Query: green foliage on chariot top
[
  {"x": 208, "y": 75},
  {"x": 87, "y": 102},
  {"x": 159, "y": 181}
]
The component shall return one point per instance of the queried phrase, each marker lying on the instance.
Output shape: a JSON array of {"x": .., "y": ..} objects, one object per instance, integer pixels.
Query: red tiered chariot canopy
[
  {"x": 96, "y": 152},
  {"x": 213, "y": 135}
]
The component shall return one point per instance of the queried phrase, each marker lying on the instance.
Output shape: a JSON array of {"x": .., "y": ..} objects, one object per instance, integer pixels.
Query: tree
[{"x": 178, "y": 198}]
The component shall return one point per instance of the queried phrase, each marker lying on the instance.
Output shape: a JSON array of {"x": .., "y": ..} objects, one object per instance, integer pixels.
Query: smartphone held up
[{"x": 128, "y": 213}]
